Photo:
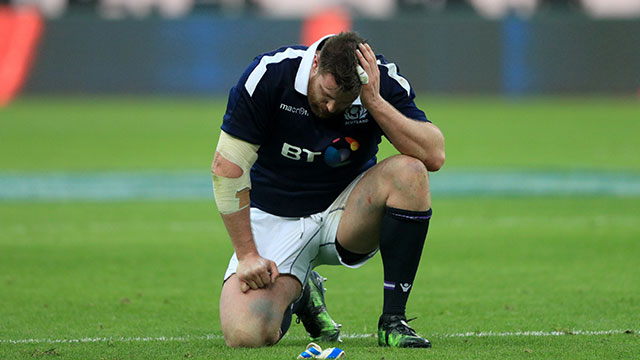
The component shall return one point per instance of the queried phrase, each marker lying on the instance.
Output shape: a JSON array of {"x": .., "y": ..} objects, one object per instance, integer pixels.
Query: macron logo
[
  {"x": 405, "y": 286},
  {"x": 294, "y": 110}
]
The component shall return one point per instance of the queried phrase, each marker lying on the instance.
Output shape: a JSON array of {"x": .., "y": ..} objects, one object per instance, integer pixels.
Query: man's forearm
[
  {"x": 238, "y": 226},
  {"x": 418, "y": 139}
]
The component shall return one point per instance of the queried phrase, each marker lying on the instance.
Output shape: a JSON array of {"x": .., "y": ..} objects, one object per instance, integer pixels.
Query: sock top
[{"x": 408, "y": 215}]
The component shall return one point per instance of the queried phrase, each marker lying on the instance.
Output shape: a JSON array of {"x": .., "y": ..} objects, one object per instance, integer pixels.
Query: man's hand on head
[{"x": 370, "y": 93}]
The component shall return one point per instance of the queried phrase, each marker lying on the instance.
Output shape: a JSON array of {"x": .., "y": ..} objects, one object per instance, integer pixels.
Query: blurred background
[
  {"x": 110, "y": 111},
  {"x": 505, "y": 47}
]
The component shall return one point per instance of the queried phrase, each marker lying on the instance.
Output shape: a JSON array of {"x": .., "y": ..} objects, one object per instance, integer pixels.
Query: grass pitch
[{"x": 141, "y": 279}]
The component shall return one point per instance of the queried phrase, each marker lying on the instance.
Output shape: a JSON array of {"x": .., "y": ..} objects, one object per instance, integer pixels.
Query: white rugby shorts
[{"x": 298, "y": 245}]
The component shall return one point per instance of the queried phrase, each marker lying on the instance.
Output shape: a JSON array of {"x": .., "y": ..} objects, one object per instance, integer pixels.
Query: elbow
[
  {"x": 435, "y": 161},
  {"x": 434, "y": 147},
  {"x": 225, "y": 168}
]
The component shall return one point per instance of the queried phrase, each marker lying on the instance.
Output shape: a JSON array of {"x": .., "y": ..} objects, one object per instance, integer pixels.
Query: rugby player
[{"x": 298, "y": 185}]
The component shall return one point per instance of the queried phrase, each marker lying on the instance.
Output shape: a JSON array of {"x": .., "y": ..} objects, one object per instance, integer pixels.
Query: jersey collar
[{"x": 304, "y": 70}]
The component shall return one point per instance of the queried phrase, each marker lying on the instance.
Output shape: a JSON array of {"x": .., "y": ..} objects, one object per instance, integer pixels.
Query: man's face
[{"x": 324, "y": 95}]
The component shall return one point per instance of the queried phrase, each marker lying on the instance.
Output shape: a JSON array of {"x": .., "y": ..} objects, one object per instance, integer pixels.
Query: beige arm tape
[{"x": 232, "y": 194}]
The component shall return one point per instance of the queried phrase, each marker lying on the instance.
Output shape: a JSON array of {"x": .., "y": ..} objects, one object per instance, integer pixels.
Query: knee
[
  {"x": 407, "y": 173},
  {"x": 406, "y": 181},
  {"x": 251, "y": 336},
  {"x": 260, "y": 326}
]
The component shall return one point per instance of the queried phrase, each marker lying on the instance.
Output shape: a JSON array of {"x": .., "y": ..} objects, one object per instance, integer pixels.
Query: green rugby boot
[
  {"x": 394, "y": 331},
  {"x": 313, "y": 311}
]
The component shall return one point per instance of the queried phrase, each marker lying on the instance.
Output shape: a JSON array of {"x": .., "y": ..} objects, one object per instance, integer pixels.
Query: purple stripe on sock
[
  {"x": 412, "y": 217},
  {"x": 389, "y": 285}
]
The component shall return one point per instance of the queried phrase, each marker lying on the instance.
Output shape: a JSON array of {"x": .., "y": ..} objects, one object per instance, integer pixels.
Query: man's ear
[{"x": 316, "y": 62}]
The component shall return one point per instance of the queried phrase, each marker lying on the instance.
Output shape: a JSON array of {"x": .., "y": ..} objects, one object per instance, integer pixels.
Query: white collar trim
[{"x": 304, "y": 70}]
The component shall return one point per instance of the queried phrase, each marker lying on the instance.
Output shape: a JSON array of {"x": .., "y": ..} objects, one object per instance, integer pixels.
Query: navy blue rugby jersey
[{"x": 305, "y": 162}]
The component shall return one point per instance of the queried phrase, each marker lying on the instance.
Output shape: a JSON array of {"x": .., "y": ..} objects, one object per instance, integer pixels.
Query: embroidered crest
[{"x": 356, "y": 114}]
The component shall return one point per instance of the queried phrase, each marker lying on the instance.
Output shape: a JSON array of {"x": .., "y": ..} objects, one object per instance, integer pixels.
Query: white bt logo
[{"x": 295, "y": 153}]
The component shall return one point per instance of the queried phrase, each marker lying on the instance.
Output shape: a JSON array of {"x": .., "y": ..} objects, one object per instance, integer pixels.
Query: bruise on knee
[
  {"x": 263, "y": 309},
  {"x": 261, "y": 328}
]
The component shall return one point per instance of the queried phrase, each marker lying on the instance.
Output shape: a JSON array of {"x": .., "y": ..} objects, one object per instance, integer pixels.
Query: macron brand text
[{"x": 294, "y": 110}]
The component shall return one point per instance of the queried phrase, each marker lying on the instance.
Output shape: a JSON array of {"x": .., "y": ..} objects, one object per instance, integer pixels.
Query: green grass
[
  {"x": 129, "y": 269},
  {"x": 114, "y": 270},
  {"x": 174, "y": 134}
]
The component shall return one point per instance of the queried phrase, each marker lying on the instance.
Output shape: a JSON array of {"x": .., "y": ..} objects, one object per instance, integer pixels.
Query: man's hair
[{"x": 338, "y": 58}]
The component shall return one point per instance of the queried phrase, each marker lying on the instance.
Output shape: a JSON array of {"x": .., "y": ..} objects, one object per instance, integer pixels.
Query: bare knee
[
  {"x": 406, "y": 168},
  {"x": 407, "y": 180},
  {"x": 250, "y": 337},
  {"x": 260, "y": 326}
]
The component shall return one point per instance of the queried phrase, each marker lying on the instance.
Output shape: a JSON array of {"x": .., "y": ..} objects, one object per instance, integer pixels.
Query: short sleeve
[{"x": 246, "y": 116}]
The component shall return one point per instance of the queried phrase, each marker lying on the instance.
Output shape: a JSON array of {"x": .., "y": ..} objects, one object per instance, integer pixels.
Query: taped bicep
[{"x": 231, "y": 173}]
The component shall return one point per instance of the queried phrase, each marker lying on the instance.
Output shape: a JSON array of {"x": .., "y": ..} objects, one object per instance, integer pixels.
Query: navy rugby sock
[
  {"x": 402, "y": 238},
  {"x": 286, "y": 321},
  {"x": 349, "y": 257},
  {"x": 299, "y": 304}
]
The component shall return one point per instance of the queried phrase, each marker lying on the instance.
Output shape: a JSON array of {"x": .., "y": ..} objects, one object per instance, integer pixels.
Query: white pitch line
[
  {"x": 112, "y": 339},
  {"x": 537, "y": 333},
  {"x": 344, "y": 336}
]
